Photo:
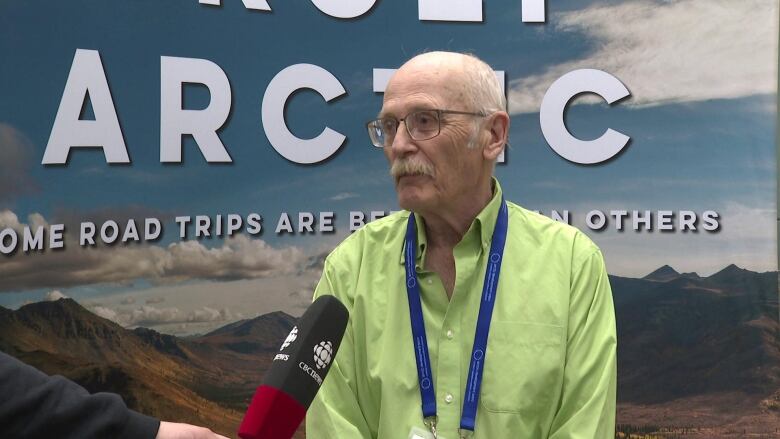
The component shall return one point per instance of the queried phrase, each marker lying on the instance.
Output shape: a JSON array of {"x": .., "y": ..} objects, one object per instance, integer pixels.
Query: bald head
[{"x": 464, "y": 77}]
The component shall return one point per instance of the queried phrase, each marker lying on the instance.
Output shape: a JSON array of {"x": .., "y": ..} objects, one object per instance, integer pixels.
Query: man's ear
[{"x": 498, "y": 128}]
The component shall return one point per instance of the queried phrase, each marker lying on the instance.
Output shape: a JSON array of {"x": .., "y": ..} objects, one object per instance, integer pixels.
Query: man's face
[{"x": 455, "y": 167}]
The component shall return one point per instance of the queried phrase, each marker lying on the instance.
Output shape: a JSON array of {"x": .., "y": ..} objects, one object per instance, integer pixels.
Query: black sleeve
[{"x": 35, "y": 405}]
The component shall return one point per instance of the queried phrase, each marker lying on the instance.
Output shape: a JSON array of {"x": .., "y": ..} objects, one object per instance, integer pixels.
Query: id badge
[{"x": 420, "y": 433}]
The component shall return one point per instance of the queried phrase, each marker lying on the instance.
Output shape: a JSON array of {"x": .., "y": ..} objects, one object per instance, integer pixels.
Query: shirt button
[
  {"x": 448, "y": 398},
  {"x": 450, "y": 334}
]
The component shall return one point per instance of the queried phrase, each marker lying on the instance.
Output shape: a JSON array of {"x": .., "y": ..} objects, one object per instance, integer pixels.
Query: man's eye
[
  {"x": 389, "y": 125},
  {"x": 425, "y": 121}
]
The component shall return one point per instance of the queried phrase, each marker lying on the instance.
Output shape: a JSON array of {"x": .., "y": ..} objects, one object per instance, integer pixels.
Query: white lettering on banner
[
  {"x": 356, "y": 220},
  {"x": 284, "y": 224},
  {"x": 595, "y": 220},
  {"x": 450, "y": 10},
  {"x": 382, "y": 76},
  {"x": 86, "y": 236},
  {"x": 344, "y": 8},
  {"x": 9, "y": 239},
  {"x": 202, "y": 225},
  {"x": 255, "y": 5},
  {"x": 205, "y": 226},
  {"x": 33, "y": 242},
  {"x": 152, "y": 229},
  {"x": 86, "y": 77},
  {"x": 55, "y": 236},
  {"x": 649, "y": 221},
  {"x": 131, "y": 232},
  {"x": 201, "y": 124},
  {"x": 282, "y": 86},
  {"x": 305, "y": 221},
  {"x": 618, "y": 215},
  {"x": 665, "y": 218},
  {"x": 710, "y": 219},
  {"x": 326, "y": 222},
  {"x": 234, "y": 223},
  {"x": 380, "y": 79},
  {"x": 254, "y": 224},
  {"x": 533, "y": 11},
  {"x": 563, "y": 218},
  {"x": 640, "y": 220},
  {"x": 551, "y": 116},
  {"x": 10, "y": 246},
  {"x": 687, "y": 220},
  {"x": 105, "y": 235},
  {"x": 471, "y": 10},
  {"x": 182, "y": 222}
]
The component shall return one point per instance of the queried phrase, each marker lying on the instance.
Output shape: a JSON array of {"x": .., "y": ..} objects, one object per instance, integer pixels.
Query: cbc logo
[
  {"x": 322, "y": 354},
  {"x": 290, "y": 338}
]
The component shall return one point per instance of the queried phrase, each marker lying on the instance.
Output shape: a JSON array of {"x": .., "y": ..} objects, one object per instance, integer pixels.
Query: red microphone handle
[{"x": 272, "y": 415}]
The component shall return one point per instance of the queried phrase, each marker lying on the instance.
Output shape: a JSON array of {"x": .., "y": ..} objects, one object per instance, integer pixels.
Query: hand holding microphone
[
  {"x": 297, "y": 372},
  {"x": 172, "y": 430}
]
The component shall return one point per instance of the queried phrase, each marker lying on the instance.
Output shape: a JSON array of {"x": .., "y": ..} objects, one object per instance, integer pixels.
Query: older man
[{"x": 471, "y": 317}]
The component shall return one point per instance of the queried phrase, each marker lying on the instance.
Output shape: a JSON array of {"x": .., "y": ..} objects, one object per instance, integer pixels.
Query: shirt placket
[{"x": 454, "y": 340}]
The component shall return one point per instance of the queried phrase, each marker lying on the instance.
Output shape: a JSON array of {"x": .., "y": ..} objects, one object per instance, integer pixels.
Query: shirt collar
[{"x": 483, "y": 225}]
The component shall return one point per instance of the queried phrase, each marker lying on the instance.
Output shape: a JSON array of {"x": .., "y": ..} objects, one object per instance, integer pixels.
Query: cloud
[
  {"x": 344, "y": 196},
  {"x": 189, "y": 305},
  {"x": 239, "y": 257},
  {"x": 669, "y": 52},
  {"x": 104, "y": 312},
  {"x": 54, "y": 295},
  {"x": 150, "y": 316},
  {"x": 15, "y": 164},
  {"x": 128, "y": 301}
]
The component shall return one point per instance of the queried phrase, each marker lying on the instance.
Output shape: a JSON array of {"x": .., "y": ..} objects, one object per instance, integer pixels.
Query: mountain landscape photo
[
  {"x": 206, "y": 380},
  {"x": 698, "y": 357}
]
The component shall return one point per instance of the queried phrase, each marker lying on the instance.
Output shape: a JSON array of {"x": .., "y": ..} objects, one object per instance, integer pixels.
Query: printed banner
[{"x": 177, "y": 171}]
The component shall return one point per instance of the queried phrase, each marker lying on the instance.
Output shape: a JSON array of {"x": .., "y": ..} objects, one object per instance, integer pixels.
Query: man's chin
[
  {"x": 414, "y": 191},
  {"x": 411, "y": 201}
]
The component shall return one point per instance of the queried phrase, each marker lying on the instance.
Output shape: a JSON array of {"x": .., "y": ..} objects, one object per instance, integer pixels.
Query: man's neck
[{"x": 444, "y": 228}]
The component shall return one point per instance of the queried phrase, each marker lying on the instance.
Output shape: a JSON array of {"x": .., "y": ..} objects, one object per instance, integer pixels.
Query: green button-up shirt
[{"x": 550, "y": 367}]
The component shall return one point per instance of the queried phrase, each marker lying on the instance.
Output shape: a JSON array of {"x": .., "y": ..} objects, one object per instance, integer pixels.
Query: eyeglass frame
[{"x": 439, "y": 113}]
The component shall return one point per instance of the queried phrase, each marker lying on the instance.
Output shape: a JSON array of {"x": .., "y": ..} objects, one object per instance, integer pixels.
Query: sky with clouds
[{"x": 701, "y": 117}]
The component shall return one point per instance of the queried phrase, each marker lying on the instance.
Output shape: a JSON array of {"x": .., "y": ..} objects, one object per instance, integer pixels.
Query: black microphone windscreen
[{"x": 306, "y": 355}]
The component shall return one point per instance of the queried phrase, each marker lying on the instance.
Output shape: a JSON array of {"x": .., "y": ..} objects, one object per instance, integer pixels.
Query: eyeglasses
[{"x": 421, "y": 125}]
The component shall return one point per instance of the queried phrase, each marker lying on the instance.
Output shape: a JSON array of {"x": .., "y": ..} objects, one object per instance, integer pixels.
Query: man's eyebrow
[
  {"x": 420, "y": 107},
  {"x": 382, "y": 114}
]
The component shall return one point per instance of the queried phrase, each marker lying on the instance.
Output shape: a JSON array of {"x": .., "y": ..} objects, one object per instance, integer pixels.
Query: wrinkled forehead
[{"x": 424, "y": 86}]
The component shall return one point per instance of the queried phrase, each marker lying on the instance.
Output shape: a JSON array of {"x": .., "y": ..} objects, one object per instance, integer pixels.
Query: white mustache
[{"x": 403, "y": 167}]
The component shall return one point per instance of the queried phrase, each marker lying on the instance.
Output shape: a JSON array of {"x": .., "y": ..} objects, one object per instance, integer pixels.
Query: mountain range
[
  {"x": 206, "y": 380},
  {"x": 697, "y": 356},
  {"x": 700, "y": 354}
]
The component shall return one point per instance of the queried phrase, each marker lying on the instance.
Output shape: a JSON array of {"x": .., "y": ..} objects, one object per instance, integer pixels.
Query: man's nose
[{"x": 403, "y": 143}]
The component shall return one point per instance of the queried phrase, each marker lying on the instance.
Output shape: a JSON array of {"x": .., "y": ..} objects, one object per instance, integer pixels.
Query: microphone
[{"x": 297, "y": 371}]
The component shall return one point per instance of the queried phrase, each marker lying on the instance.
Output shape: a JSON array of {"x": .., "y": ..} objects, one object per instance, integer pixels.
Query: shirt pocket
[{"x": 523, "y": 368}]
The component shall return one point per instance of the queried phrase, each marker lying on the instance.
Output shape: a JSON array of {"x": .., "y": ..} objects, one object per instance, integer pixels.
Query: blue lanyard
[{"x": 479, "y": 350}]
